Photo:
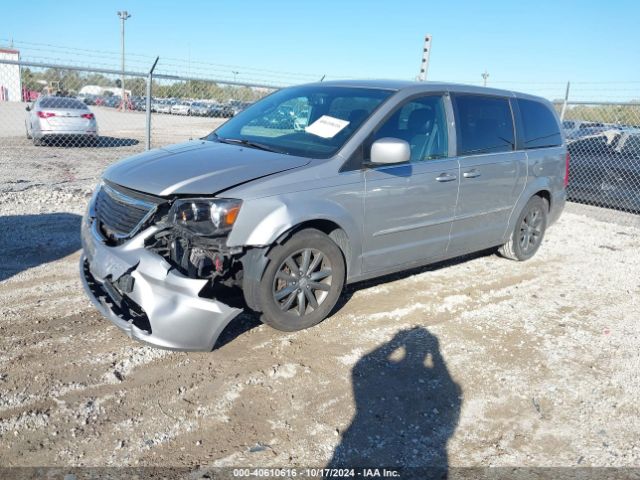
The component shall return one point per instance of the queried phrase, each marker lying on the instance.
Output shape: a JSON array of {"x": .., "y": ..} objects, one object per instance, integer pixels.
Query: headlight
[{"x": 205, "y": 217}]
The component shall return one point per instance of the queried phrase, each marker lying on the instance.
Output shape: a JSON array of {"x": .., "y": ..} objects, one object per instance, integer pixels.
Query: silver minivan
[{"x": 313, "y": 187}]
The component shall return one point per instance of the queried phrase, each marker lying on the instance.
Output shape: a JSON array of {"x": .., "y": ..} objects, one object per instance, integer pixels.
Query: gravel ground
[{"x": 478, "y": 362}]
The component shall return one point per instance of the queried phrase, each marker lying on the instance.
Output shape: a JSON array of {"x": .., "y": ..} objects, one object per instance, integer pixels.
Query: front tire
[
  {"x": 302, "y": 282},
  {"x": 528, "y": 232}
]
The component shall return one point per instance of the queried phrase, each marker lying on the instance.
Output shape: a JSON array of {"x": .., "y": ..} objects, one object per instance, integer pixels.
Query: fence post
[
  {"x": 148, "y": 105},
  {"x": 564, "y": 104}
]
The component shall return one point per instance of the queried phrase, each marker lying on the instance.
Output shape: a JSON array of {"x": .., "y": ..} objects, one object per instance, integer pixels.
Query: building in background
[{"x": 10, "y": 84}]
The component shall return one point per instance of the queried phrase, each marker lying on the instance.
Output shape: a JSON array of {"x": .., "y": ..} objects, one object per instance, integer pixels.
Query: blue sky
[{"x": 539, "y": 44}]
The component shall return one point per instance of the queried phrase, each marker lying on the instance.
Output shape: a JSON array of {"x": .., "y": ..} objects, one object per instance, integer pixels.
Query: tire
[
  {"x": 286, "y": 297},
  {"x": 528, "y": 233},
  {"x": 38, "y": 141}
]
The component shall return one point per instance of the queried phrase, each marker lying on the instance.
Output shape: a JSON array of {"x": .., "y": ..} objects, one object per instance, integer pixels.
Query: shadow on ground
[
  {"x": 407, "y": 407},
  {"x": 27, "y": 241}
]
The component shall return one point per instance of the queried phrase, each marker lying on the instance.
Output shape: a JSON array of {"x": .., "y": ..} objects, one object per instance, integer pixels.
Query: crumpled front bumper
[{"x": 177, "y": 317}]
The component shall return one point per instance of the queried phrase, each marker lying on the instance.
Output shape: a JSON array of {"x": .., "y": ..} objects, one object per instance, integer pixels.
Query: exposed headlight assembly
[{"x": 205, "y": 217}]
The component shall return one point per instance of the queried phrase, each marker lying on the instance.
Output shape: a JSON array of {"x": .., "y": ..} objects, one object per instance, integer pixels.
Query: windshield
[{"x": 308, "y": 121}]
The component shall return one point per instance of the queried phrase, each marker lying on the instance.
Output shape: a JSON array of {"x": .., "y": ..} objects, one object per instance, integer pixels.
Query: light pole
[
  {"x": 235, "y": 73},
  {"x": 123, "y": 14},
  {"x": 485, "y": 75}
]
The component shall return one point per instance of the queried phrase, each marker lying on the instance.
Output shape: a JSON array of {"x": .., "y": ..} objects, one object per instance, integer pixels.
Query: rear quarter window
[
  {"x": 484, "y": 124},
  {"x": 539, "y": 124}
]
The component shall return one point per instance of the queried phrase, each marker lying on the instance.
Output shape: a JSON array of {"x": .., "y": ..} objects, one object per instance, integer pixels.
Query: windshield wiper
[{"x": 247, "y": 143}]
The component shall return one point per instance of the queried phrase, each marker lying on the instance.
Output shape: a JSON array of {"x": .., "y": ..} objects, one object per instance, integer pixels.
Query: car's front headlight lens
[{"x": 205, "y": 217}]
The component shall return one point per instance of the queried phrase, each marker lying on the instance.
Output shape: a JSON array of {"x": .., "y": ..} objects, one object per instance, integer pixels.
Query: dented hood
[{"x": 197, "y": 167}]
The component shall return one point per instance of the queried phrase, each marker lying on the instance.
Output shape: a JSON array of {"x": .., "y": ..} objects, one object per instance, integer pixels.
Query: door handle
[
  {"x": 446, "y": 177},
  {"x": 471, "y": 174}
]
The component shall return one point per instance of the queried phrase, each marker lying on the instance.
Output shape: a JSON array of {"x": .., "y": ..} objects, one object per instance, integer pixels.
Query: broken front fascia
[{"x": 178, "y": 317}]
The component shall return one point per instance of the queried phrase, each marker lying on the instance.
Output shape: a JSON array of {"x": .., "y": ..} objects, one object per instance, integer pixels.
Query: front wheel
[
  {"x": 528, "y": 233},
  {"x": 302, "y": 282}
]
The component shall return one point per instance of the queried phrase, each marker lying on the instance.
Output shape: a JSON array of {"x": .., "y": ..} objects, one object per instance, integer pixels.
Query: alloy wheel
[{"x": 302, "y": 281}]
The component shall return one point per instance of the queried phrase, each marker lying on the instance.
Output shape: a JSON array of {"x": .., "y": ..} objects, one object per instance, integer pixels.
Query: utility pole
[
  {"x": 426, "y": 51},
  {"x": 123, "y": 14},
  {"x": 485, "y": 75}
]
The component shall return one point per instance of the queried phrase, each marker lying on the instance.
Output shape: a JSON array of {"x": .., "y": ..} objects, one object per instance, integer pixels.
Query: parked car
[
  {"x": 605, "y": 170},
  {"x": 181, "y": 108},
  {"x": 200, "y": 109},
  {"x": 138, "y": 103},
  {"x": 575, "y": 129},
  {"x": 385, "y": 177},
  {"x": 220, "y": 110},
  {"x": 60, "y": 117},
  {"x": 164, "y": 106},
  {"x": 114, "y": 101}
]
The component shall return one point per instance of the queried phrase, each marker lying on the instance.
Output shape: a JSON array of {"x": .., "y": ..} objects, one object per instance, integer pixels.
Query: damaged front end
[{"x": 161, "y": 271}]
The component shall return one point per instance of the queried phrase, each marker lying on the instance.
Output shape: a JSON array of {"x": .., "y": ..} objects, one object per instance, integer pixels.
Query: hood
[{"x": 197, "y": 167}]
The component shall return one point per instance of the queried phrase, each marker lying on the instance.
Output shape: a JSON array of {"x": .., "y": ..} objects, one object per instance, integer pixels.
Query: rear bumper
[
  {"x": 93, "y": 132},
  {"x": 168, "y": 311}
]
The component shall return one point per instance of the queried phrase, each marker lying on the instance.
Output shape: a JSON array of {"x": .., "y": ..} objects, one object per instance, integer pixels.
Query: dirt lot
[{"x": 479, "y": 362}]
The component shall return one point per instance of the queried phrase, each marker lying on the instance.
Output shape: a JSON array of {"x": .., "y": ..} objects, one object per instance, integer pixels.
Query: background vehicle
[
  {"x": 575, "y": 129},
  {"x": 58, "y": 117},
  {"x": 384, "y": 176},
  {"x": 182, "y": 108},
  {"x": 605, "y": 170},
  {"x": 164, "y": 106},
  {"x": 113, "y": 101},
  {"x": 199, "y": 109}
]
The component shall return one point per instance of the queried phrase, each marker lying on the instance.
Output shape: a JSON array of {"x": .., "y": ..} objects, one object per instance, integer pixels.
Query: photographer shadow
[{"x": 407, "y": 407}]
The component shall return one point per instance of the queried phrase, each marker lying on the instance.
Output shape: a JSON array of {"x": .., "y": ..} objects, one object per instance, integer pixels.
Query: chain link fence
[
  {"x": 603, "y": 139},
  {"x": 54, "y": 107}
]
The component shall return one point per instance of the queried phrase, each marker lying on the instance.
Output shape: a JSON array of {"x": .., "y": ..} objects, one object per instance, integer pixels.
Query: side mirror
[
  {"x": 389, "y": 151},
  {"x": 27, "y": 108}
]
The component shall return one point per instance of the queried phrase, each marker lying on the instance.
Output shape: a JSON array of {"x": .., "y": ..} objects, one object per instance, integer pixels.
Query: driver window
[{"x": 422, "y": 123}]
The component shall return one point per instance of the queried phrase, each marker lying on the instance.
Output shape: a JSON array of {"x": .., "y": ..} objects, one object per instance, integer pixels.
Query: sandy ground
[{"x": 479, "y": 362}]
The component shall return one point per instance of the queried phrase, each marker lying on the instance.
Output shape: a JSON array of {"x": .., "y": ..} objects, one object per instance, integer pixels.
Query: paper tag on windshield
[{"x": 326, "y": 126}]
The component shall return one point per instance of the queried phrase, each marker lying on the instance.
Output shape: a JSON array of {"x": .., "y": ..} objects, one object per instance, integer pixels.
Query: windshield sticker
[{"x": 326, "y": 126}]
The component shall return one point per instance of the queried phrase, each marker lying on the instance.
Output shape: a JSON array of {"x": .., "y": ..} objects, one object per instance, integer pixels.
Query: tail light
[
  {"x": 566, "y": 170},
  {"x": 88, "y": 116},
  {"x": 46, "y": 114}
]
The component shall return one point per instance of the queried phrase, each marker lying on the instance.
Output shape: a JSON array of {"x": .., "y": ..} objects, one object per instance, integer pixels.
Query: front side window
[
  {"x": 539, "y": 124},
  {"x": 309, "y": 121},
  {"x": 484, "y": 124},
  {"x": 421, "y": 122}
]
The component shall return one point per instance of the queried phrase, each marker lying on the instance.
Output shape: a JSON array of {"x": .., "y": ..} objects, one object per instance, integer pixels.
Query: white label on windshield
[{"x": 326, "y": 126}]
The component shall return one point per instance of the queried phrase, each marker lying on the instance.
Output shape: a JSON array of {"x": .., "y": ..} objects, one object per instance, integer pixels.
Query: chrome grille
[{"x": 120, "y": 212}]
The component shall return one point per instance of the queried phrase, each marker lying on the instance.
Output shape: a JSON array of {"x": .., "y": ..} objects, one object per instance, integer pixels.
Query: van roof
[{"x": 397, "y": 85}]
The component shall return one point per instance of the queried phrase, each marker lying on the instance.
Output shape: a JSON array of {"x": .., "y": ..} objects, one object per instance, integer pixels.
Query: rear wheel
[
  {"x": 302, "y": 282},
  {"x": 528, "y": 233}
]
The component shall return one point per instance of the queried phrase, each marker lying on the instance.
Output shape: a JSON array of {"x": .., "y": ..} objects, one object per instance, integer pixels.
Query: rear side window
[
  {"x": 484, "y": 124},
  {"x": 539, "y": 124}
]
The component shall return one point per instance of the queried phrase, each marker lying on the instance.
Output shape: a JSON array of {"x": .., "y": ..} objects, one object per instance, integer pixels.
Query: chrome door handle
[
  {"x": 446, "y": 177},
  {"x": 471, "y": 174}
]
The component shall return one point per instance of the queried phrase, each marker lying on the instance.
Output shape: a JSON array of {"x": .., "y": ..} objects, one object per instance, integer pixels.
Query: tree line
[{"x": 71, "y": 81}]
